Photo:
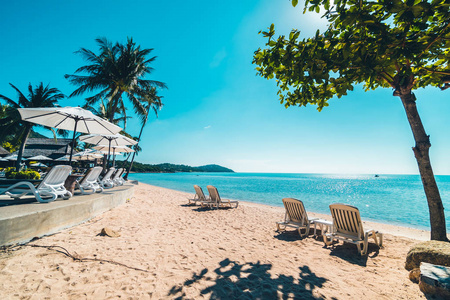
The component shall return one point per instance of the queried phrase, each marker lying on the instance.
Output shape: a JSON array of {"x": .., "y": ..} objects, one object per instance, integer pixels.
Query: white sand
[{"x": 191, "y": 253}]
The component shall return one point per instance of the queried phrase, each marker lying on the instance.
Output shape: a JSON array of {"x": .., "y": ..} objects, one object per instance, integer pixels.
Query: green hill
[{"x": 170, "y": 168}]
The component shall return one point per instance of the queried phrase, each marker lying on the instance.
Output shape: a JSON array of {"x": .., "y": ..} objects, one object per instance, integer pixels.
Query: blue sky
[{"x": 216, "y": 109}]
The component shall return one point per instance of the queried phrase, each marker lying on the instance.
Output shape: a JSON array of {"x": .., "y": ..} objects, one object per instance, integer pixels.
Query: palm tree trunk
[
  {"x": 134, "y": 153},
  {"x": 115, "y": 103},
  {"x": 421, "y": 152},
  {"x": 22, "y": 146}
]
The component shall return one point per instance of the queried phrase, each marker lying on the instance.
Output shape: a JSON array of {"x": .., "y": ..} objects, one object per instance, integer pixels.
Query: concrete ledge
[{"x": 19, "y": 223}]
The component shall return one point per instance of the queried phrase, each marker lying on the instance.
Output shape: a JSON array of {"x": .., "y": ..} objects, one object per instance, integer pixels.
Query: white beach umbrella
[
  {"x": 38, "y": 165},
  {"x": 63, "y": 158},
  {"x": 88, "y": 154},
  {"x": 122, "y": 149},
  {"x": 103, "y": 139},
  {"x": 13, "y": 157},
  {"x": 76, "y": 119},
  {"x": 110, "y": 140},
  {"x": 2, "y": 159},
  {"x": 39, "y": 157}
]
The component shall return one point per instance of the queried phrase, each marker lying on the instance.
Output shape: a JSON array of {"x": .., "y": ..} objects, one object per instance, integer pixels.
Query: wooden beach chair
[
  {"x": 217, "y": 201},
  {"x": 295, "y": 217},
  {"x": 200, "y": 197},
  {"x": 90, "y": 181},
  {"x": 347, "y": 227},
  {"x": 106, "y": 181},
  {"x": 51, "y": 187}
]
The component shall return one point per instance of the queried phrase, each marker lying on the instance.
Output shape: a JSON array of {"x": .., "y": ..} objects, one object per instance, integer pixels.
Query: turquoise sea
[{"x": 392, "y": 199}]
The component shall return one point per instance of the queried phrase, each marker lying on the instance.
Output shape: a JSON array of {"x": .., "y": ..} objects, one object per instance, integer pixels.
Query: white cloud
[{"x": 207, "y": 127}]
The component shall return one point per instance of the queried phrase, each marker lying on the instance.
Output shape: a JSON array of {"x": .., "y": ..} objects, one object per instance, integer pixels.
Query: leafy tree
[
  {"x": 151, "y": 101},
  {"x": 118, "y": 70},
  {"x": 8, "y": 146},
  {"x": 403, "y": 45},
  {"x": 104, "y": 111},
  {"x": 40, "y": 96}
]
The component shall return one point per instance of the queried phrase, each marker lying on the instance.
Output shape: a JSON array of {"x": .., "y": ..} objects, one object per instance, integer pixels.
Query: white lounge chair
[
  {"x": 48, "y": 190},
  {"x": 117, "y": 177},
  {"x": 90, "y": 181},
  {"x": 200, "y": 197},
  {"x": 347, "y": 227},
  {"x": 107, "y": 182},
  {"x": 295, "y": 217},
  {"x": 217, "y": 201}
]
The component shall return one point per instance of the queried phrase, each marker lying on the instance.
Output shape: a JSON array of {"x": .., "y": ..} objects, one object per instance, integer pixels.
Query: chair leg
[
  {"x": 39, "y": 195},
  {"x": 365, "y": 245},
  {"x": 380, "y": 236},
  {"x": 374, "y": 236},
  {"x": 326, "y": 241},
  {"x": 361, "y": 250},
  {"x": 306, "y": 231}
]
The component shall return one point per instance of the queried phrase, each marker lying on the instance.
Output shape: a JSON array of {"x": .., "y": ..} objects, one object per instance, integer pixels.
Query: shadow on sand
[
  {"x": 345, "y": 251},
  {"x": 348, "y": 252},
  {"x": 288, "y": 236},
  {"x": 232, "y": 280}
]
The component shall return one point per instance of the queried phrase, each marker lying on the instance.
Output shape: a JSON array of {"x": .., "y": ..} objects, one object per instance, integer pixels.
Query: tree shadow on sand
[{"x": 252, "y": 281}]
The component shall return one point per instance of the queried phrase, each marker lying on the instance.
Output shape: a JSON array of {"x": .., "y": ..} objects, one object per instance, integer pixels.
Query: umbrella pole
[
  {"x": 109, "y": 152},
  {"x": 73, "y": 142},
  {"x": 114, "y": 157}
]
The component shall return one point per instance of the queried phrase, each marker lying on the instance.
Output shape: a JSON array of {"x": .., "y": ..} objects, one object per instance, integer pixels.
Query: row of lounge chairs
[
  {"x": 52, "y": 186},
  {"x": 346, "y": 225},
  {"x": 213, "y": 200}
]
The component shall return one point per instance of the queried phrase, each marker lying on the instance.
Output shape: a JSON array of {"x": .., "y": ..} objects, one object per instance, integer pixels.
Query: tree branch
[
  {"x": 434, "y": 71},
  {"x": 435, "y": 39},
  {"x": 387, "y": 78}
]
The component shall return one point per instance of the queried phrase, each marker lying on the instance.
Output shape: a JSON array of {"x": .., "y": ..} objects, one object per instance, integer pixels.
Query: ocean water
[{"x": 392, "y": 199}]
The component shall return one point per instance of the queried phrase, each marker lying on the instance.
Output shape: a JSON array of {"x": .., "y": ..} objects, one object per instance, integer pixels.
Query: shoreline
[
  {"x": 396, "y": 230},
  {"x": 167, "y": 249},
  {"x": 399, "y": 230}
]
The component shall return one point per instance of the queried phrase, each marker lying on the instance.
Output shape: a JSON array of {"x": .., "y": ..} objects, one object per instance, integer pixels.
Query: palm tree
[
  {"x": 9, "y": 131},
  {"x": 104, "y": 111},
  {"x": 151, "y": 101},
  {"x": 118, "y": 70},
  {"x": 40, "y": 96}
]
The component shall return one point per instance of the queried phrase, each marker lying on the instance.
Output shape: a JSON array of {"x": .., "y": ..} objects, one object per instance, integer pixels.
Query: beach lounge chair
[
  {"x": 217, "y": 201},
  {"x": 90, "y": 181},
  {"x": 117, "y": 177},
  {"x": 200, "y": 197},
  {"x": 48, "y": 190},
  {"x": 106, "y": 181},
  {"x": 347, "y": 227},
  {"x": 295, "y": 217}
]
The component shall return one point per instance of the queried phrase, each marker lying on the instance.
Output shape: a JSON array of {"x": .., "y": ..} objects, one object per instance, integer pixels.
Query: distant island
[{"x": 170, "y": 168}]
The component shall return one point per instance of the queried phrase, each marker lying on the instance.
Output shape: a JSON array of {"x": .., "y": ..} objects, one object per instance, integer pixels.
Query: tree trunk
[
  {"x": 22, "y": 146},
  {"x": 129, "y": 168},
  {"x": 421, "y": 152},
  {"x": 134, "y": 153},
  {"x": 114, "y": 107}
]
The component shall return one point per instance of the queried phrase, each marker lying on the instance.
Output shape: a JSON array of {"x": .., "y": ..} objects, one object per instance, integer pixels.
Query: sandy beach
[{"x": 170, "y": 250}]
